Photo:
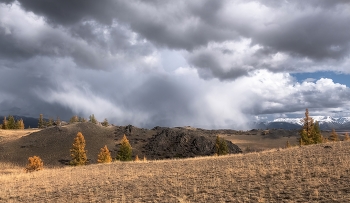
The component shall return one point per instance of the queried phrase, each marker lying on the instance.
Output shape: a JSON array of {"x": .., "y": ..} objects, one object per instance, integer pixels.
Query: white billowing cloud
[{"x": 280, "y": 93}]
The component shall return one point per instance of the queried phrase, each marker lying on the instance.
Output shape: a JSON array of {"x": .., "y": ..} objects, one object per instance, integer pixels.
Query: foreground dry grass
[{"x": 306, "y": 174}]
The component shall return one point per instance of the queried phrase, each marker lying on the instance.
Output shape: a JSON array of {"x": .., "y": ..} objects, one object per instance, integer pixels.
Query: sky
[{"x": 201, "y": 63}]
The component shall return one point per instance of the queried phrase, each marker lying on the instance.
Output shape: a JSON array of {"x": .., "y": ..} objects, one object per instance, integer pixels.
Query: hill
[
  {"x": 53, "y": 144},
  {"x": 318, "y": 173}
]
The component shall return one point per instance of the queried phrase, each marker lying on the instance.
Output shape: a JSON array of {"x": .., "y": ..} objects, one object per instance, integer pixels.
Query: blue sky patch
[{"x": 336, "y": 77}]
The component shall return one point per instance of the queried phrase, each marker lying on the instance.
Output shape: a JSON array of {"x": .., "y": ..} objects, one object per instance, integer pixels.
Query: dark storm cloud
[
  {"x": 104, "y": 57},
  {"x": 302, "y": 4},
  {"x": 18, "y": 97},
  {"x": 209, "y": 66},
  {"x": 319, "y": 35},
  {"x": 315, "y": 30},
  {"x": 166, "y": 102},
  {"x": 69, "y": 12},
  {"x": 183, "y": 25}
]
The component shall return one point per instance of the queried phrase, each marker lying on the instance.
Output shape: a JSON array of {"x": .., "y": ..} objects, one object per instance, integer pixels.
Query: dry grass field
[
  {"x": 10, "y": 135},
  {"x": 249, "y": 143},
  {"x": 299, "y": 174}
]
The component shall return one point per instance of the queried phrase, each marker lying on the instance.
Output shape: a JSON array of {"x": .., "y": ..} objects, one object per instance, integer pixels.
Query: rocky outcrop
[{"x": 180, "y": 143}]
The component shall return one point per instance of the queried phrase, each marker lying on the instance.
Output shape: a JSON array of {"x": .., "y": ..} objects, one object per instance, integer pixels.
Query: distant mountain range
[{"x": 325, "y": 122}]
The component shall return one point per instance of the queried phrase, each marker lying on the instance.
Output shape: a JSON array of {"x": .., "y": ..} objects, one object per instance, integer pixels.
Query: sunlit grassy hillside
[{"x": 300, "y": 174}]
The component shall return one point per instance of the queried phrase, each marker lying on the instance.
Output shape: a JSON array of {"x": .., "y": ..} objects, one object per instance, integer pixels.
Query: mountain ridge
[{"x": 325, "y": 122}]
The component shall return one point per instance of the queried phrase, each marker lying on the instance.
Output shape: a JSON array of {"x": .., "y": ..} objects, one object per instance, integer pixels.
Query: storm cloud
[{"x": 226, "y": 61}]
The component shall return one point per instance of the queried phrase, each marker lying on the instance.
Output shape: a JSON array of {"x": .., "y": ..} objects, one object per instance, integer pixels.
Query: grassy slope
[
  {"x": 53, "y": 144},
  {"x": 10, "y": 135},
  {"x": 306, "y": 174}
]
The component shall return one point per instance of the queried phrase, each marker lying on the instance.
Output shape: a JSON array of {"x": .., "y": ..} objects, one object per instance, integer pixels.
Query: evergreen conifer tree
[
  {"x": 49, "y": 122},
  {"x": 333, "y": 137},
  {"x": 104, "y": 156},
  {"x": 78, "y": 152},
  {"x": 58, "y": 121},
  {"x": 217, "y": 145},
  {"x": 221, "y": 147},
  {"x": 20, "y": 124},
  {"x": 125, "y": 150},
  {"x": 74, "y": 119},
  {"x": 105, "y": 122},
  {"x": 4, "y": 124},
  {"x": 310, "y": 132},
  {"x": 11, "y": 123},
  {"x": 41, "y": 123},
  {"x": 92, "y": 119},
  {"x": 316, "y": 134}
]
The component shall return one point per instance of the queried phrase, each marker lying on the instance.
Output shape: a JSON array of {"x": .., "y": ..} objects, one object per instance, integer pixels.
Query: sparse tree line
[
  {"x": 42, "y": 123},
  {"x": 79, "y": 154},
  {"x": 310, "y": 133},
  {"x": 11, "y": 123},
  {"x": 79, "y": 157},
  {"x": 92, "y": 119}
]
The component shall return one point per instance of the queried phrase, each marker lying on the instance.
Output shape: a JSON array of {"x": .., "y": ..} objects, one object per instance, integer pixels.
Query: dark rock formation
[{"x": 180, "y": 143}]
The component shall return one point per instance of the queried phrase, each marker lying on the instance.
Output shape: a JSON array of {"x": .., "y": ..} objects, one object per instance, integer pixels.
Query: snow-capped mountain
[{"x": 325, "y": 122}]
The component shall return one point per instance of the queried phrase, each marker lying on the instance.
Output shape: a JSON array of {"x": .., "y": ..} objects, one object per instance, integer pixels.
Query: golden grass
[
  {"x": 9, "y": 135},
  {"x": 298, "y": 174},
  {"x": 259, "y": 142}
]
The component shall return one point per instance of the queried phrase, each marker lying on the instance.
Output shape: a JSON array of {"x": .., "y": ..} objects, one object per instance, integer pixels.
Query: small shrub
[
  {"x": 34, "y": 164},
  {"x": 137, "y": 158},
  {"x": 346, "y": 137},
  {"x": 334, "y": 136},
  {"x": 104, "y": 156},
  {"x": 144, "y": 158},
  {"x": 288, "y": 144}
]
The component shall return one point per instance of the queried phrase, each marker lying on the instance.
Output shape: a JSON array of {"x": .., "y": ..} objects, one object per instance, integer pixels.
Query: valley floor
[{"x": 299, "y": 174}]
